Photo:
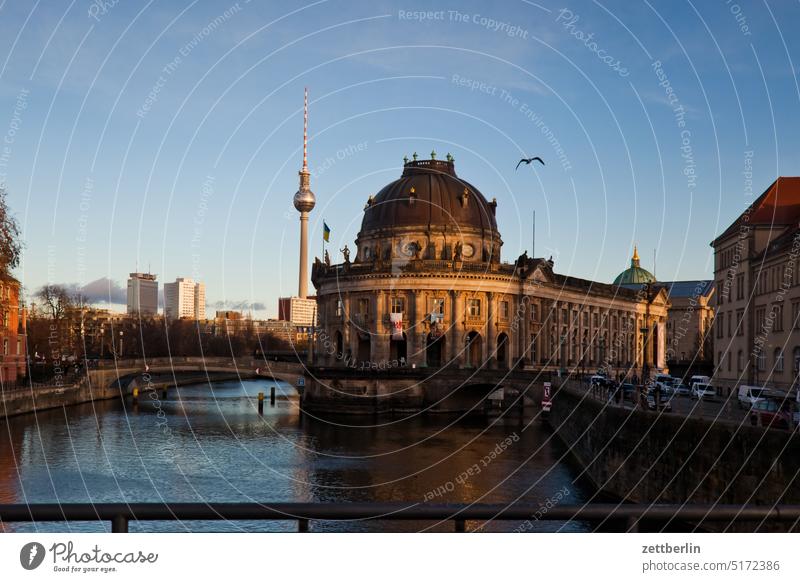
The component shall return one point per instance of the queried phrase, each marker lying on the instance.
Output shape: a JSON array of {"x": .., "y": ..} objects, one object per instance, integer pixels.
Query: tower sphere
[{"x": 304, "y": 200}]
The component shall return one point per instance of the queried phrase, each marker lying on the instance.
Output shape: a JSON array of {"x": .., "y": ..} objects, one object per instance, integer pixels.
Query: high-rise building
[
  {"x": 301, "y": 311},
  {"x": 184, "y": 298},
  {"x": 142, "y": 294}
]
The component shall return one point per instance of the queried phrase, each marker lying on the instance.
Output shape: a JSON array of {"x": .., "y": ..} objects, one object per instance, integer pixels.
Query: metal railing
[{"x": 620, "y": 517}]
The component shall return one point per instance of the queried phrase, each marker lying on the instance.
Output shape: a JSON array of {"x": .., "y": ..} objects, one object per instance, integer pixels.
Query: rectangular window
[
  {"x": 739, "y": 322},
  {"x": 760, "y": 320},
  {"x": 777, "y": 310},
  {"x": 730, "y": 322},
  {"x": 719, "y": 322},
  {"x": 339, "y": 308},
  {"x": 504, "y": 309},
  {"x": 398, "y": 304},
  {"x": 474, "y": 308},
  {"x": 740, "y": 286},
  {"x": 438, "y": 306},
  {"x": 796, "y": 314},
  {"x": 363, "y": 306},
  {"x": 533, "y": 312},
  {"x": 585, "y": 319},
  {"x": 594, "y": 320}
]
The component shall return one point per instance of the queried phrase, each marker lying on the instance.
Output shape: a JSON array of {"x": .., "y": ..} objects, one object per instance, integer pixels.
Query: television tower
[{"x": 304, "y": 201}]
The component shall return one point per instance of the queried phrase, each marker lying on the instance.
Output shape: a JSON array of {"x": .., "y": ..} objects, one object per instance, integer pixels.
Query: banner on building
[
  {"x": 436, "y": 324},
  {"x": 397, "y": 325}
]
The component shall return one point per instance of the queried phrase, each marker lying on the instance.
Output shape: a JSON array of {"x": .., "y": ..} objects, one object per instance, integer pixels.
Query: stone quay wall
[{"x": 645, "y": 457}]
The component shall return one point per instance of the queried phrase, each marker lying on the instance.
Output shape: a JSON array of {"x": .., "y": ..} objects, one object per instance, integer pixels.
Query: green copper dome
[{"x": 634, "y": 275}]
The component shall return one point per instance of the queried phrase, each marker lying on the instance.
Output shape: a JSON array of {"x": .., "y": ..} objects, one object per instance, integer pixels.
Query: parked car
[
  {"x": 773, "y": 413},
  {"x": 748, "y": 396},
  {"x": 628, "y": 392},
  {"x": 699, "y": 379},
  {"x": 682, "y": 390},
  {"x": 703, "y": 391},
  {"x": 664, "y": 400}
]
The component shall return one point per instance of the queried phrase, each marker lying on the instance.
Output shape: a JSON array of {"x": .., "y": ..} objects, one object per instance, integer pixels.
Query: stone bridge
[
  {"x": 180, "y": 370},
  {"x": 446, "y": 389}
]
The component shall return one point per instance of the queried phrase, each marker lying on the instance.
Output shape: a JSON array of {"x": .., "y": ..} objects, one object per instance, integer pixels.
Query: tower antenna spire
[
  {"x": 305, "y": 130},
  {"x": 304, "y": 202}
]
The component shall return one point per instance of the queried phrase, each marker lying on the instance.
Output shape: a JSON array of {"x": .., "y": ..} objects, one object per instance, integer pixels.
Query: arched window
[{"x": 778, "y": 360}]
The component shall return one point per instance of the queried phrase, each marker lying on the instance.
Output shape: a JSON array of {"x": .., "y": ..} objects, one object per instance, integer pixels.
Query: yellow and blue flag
[{"x": 326, "y": 232}]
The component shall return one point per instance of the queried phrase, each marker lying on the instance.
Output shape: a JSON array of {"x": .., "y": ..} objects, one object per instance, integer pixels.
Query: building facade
[
  {"x": 142, "y": 294},
  {"x": 691, "y": 316},
  {"x": 757, "y": 319},
  {"x": 427, "y": 287},
  {"x": 13, "y": 323},
  {"x": 301, "y": 311},
  {"x": 185, "y": 299}
]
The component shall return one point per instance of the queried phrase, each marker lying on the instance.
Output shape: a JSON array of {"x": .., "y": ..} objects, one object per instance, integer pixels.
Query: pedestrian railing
[{"x": 615, "y": 517}]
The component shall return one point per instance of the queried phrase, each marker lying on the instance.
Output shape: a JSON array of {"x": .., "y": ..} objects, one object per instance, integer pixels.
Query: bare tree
[
  {"x": 55, "y": 299},
  {"x": 10, "y": 245}
]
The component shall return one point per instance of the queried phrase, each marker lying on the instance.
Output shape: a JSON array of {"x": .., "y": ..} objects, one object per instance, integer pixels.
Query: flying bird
[{"x": 529, "y": 160}]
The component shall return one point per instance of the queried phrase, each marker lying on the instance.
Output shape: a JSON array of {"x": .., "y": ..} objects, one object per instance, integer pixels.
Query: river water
[{"x": 206, "y": 443}]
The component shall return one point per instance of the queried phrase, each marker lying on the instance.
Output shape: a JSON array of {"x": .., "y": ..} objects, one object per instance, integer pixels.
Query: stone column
[
  {"x": 416, "y": 331},
  {"x": 456, "y": 339},
  {"x": 490, "y": 354},
  {"x": 380, "y": 340}
]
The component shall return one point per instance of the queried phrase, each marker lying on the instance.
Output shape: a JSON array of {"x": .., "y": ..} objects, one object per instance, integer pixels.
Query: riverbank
[
  {"x": 102, "y": 386},
  {"x": 645, "y": 457}
]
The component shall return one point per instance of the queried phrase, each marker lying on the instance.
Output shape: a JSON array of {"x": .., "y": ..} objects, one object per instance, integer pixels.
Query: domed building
[
  {"x": 635, "y": 274},
  {"x": 427, "y": 288}
]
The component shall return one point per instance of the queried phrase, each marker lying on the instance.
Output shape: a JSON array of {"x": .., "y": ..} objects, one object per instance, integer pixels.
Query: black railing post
[
  {"x": 119, "y": 524},
  {"x": 302, "y": 525}
]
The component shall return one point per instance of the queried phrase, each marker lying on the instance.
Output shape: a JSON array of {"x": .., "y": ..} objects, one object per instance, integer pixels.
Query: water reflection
[{"x": 208, "y": 443}]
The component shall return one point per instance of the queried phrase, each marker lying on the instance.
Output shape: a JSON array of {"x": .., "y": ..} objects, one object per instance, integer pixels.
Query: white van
[
  {"x": 749, "y": 395},
  {"x": 699, "y": 380}
]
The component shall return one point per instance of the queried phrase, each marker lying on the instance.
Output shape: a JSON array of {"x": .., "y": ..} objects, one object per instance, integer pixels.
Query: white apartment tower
[
  {"x": 142, "y": 294},
  {"x": 185, "y": 298}
]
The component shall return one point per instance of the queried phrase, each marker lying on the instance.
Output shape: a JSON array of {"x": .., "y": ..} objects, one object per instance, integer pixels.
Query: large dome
[
  {"x": 429, "y": 194},
  {"x": 634, "y": 275}
]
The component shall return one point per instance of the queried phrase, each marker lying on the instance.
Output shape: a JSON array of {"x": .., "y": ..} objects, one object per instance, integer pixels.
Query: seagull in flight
[{"x": 529, "y": 160}]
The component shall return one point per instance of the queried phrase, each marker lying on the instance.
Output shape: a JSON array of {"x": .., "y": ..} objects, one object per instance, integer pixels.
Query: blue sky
[{"x": 169, "y": 134}]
